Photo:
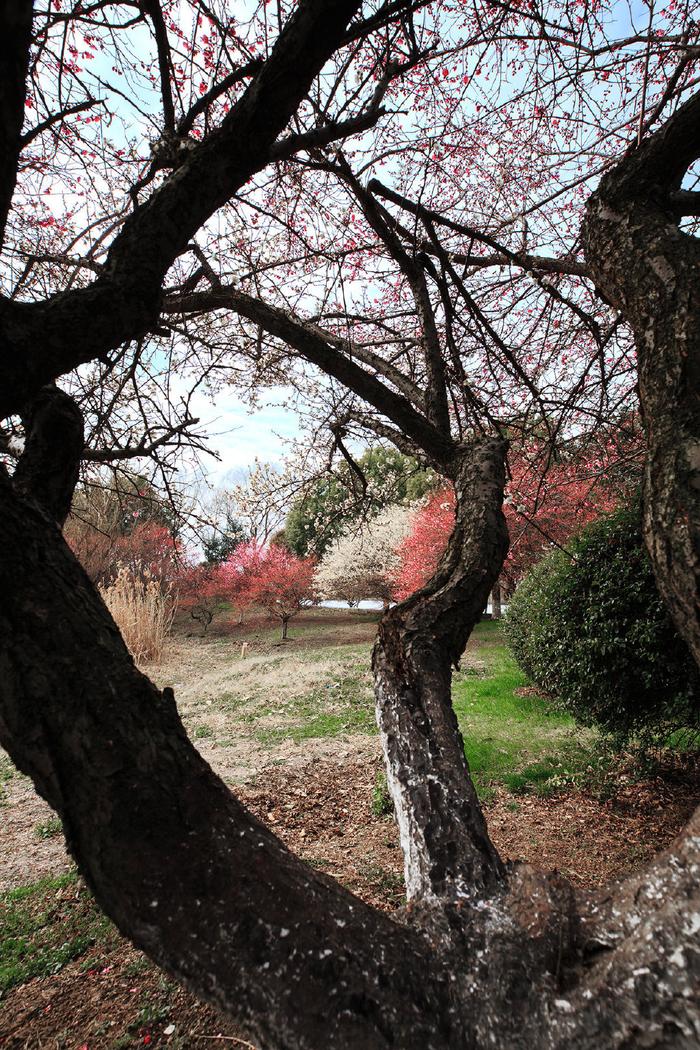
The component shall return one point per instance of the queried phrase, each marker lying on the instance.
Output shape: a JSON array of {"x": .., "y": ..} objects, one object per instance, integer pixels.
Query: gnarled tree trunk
[
  {"x": 484, "y": 956},
  {"x": 446, "y": 848},
  {"x": 650, "y": 270}
]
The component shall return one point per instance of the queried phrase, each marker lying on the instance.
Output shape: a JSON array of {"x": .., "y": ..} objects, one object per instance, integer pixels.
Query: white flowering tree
[{"x": 363, "y": 562}]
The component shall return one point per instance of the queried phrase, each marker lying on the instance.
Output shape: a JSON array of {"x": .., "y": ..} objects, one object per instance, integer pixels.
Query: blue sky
[{"x": 240, "y": 434}]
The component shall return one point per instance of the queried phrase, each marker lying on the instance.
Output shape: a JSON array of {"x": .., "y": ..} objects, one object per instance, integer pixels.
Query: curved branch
[
  {"x": 34, "y": 132},
  {"x": 236, "y": 75},
  {"x": 447, "y": 851},
  {"x": 47, "y": 470},
  {"x": 316, "y": 349},
  {"x": 171, "y": 855},
  {"x": 436, "y": 403},
  {"x": 318, "y": 137},
  {"x": 165, "y": 62},
  {"x": 140, "y": 450},
  {"x": 53, "y": 337}
]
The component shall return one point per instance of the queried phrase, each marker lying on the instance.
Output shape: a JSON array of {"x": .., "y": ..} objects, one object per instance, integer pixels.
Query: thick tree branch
[
  {"x": 641, "y": 948},
  {"x": 436, "y": 406},
  {"x": 53, "y": 337},
  {"x": 165, "y": 63},
  {"x": 202, "y": 104},
  {"x": 447, "y": 851},
  {"x": 685, "y": 202},
  {"x": 15, "y": 36},
  {"x": 292, "y": 144},
  {"x": 315, "y": 349},
  {"x": 142, "y": 448},
  {"x": 171, "y": 855},
  {"x": 55, "y": 118}
]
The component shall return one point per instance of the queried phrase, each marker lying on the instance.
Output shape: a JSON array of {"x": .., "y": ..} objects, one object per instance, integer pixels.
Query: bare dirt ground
[
  {"x": 112, "y": 997},
  {"x": 317, "y": 795}
]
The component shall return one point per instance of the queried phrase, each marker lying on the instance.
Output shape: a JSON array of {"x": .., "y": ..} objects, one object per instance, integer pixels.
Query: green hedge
[{"x": 593, "y": 632}]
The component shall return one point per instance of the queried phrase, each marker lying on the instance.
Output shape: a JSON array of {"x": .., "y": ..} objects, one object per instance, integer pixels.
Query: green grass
[
  {"x": 42, "y": 929},
  {"x": 343, "y": 705},
  {"x": 519, "y": 742},
  {"x": 49, "y": 828}
]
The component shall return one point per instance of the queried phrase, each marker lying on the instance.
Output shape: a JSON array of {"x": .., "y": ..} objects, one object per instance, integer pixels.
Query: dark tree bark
[
  {"x": 485, "y": 956},
  {"x": 649, "y": 269},
  {"x": 447, "y": 851},
  {"x": 48, "y": 469},
  {"x": 15, "y": 34}
]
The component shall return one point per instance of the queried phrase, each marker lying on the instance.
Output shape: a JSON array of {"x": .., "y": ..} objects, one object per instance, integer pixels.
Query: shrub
[
  {"x": 142, "y": 612},
  {"x": 591, "y": 630}
]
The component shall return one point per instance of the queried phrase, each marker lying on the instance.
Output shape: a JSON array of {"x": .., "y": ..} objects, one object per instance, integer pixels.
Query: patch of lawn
[
  {"x": 343, "y": 705},
  {"x": 520, "y": 742},
  {"x": 323, "y": 689},
  {"x": 42, "y": 929}
]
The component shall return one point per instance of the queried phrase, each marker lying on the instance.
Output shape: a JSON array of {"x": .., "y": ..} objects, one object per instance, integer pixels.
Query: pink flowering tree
[
  {"x": 200, "y": 590},
  {"x": 270, "y": 577},
  {"x": 543, "y": 509}
]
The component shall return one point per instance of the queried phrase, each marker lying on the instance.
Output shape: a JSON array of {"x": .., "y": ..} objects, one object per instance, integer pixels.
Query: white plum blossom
[{"x": 363, "y": 562}]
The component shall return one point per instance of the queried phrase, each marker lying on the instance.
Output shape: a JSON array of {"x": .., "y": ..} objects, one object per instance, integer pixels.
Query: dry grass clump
[{"x": 142, "y": 612}]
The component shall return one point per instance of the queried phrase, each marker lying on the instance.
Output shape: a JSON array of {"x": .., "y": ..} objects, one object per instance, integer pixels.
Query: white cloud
[{"x": 240, "y": 434}]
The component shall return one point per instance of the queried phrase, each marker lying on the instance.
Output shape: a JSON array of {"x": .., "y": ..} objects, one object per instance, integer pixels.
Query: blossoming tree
[
  {"x": 229, "y": 205},
  {"x": 363, "y": 562},
  {"x": 271, "y": 577},
  {"x": 543, "y": 509}
]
